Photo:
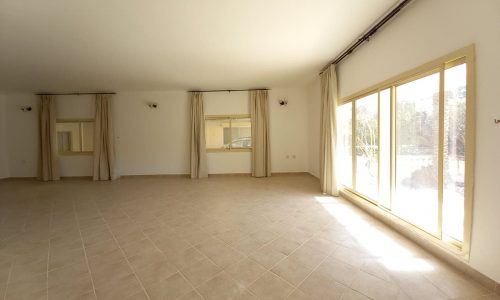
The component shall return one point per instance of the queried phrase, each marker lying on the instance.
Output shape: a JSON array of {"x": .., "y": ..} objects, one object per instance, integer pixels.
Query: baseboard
[
  {"x": 76, "y": 178},
  {"x": 438, "y": 251},
  {"x": 230, "y": 175},
  {"x": 155, "y": 176},
  {"x": 18, "y": 178}
]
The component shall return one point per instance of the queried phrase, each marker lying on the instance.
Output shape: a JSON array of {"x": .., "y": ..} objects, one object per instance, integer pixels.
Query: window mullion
[
  {"x": 393, "y": 146},
  {"x": 441, "y": 153},
  {"x": 353, "y": 144},
  {"x": 378, "y": 144}
]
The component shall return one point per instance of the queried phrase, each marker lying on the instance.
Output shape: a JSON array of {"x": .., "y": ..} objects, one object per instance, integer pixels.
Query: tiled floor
[{"x": 219, "y": 238}]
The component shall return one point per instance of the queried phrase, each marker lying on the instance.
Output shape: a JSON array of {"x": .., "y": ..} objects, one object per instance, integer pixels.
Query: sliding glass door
[
  {"x": 403, "y": 147},
  {"x": 417, "y": 139}
]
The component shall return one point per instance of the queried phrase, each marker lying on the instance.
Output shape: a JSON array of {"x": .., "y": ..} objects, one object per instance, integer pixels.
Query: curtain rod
[
  {"x": 366, "y": 36},
  {"x": 75, "y": 94},
  {"x": 229, "y": 91}
]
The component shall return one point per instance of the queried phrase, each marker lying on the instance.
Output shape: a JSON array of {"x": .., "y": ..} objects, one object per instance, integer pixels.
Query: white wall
[
  {"x": 424, "y": 31},
  {"x": 4, "y": 151},
  {"x": 157, "y": 141},
  {"x": 152, "y": 141},
  {"x": 22, "y": 135}
]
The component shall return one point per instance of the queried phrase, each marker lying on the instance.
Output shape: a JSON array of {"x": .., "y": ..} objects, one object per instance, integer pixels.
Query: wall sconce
[
  {"x": 153, "y": 105},
  {"x": 26, "y": 108},
  {"x": 282, "y": 101}
]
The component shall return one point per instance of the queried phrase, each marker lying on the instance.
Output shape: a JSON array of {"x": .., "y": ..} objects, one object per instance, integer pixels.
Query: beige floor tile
[
  {"x": 170, "y": 288},
  {"x": 245, "y": 272},
  {"x": 139, "y": 247},
  {"x": 155, "y": 272},
  {"x": 417, "y": 286},
  {"x": 351, "y": 256},
  {"x": 353, "y": 295},
  {"x": 298, "y": 295},
  {"x": 2, "y": 290},
  {"x": 97, "y": 238},
  {"x": 5, "y": 266},
  {"x": 284, "y": 245},
  {"x": 320, "y": 287},
  {"x": 308, "y": 256},
  {"x": 120, "y": 289},
  {"x": 78, "y": 272},
  {"x": 336, "y": 270},
  {"x": 455, "y": 285},
  {"x": 193, "y": 295},
  {"x": 374, "y": 287},
  {"x": 32, "y": 288},
  {"x": 146, "y": 258},
  {"x": 105, "y": 258},
  {"x": 61, "y": 257},
  {"x": 101, "y": 248},
  {"x": 201, "y": 271},
  {"x": 267, "y": 256},
  {"x": 139, "y": 296},
  {"x": 292, "y": 270},
  {"x": 247, "y": 245},
  {"x": 185, "y": 258},
  {"x": 27, "y": 269},
  {"x": 219, "y": 253},
  {"x": 108, "y": 275},
  {"x": 270, "y": 286},
  {"x": 221, "y": 287},
  {"x": 61, "y": 288},
  {"x": 86, "y": 296}
]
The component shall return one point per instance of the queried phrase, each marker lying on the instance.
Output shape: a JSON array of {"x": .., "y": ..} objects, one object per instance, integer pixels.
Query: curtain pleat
[
  {"x": 261, "y": 153},
  {"x": 49, "y": 165},
  {"x": 104, "y": 151},
  {"x": 328, "y": 176},
  {"x": 198, "y": 148}
]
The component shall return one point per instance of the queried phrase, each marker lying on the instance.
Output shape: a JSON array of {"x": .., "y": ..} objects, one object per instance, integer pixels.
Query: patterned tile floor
[{"x": 218, "y": 238}]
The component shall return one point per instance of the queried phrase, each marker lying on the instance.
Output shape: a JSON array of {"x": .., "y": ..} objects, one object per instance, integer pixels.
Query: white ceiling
[{"x": 70, "y": 45}]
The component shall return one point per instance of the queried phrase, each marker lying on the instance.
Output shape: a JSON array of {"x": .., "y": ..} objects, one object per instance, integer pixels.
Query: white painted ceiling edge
[{"x": 62, "y": 45}]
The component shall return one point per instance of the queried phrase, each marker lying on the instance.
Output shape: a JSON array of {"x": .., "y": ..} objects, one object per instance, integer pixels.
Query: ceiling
[{"x": 68, "y": 45}]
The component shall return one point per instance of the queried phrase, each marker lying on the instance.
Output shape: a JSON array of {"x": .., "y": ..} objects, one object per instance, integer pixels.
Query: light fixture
[{"x": 283, "y": 101}]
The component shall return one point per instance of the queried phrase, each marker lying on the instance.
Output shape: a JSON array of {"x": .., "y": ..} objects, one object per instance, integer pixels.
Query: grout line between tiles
[
  {"x": 124, "y": 255},
  {"x": 84, "y": 250},
  {"x": 149, "y": 239}
]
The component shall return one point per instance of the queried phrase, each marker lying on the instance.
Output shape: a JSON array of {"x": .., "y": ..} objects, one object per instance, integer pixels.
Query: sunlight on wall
[{"x": 381, "y": 245}]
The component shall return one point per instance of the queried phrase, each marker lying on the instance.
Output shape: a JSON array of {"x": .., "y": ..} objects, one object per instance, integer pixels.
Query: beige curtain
[
  {"x": 261, "y": 153},
  {"x": 49, "y": 166},
  {"x": 198, "y": 151},
  {"x": 328, "y": 131},
  {"x": 104, "y": 147}
]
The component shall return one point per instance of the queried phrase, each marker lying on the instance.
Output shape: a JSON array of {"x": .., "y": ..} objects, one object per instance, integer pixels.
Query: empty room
[{"x": 231, "y": 149}]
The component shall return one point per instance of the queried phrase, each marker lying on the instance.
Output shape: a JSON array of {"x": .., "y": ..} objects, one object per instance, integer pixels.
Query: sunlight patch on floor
[{"x": 376, "y": 242}]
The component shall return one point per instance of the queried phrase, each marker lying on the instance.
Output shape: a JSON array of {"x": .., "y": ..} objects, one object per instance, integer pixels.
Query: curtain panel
[
  {"x": 104, "y": 147},
  {"x": 49, "y": 164},
  {"x": 198, "y": 148},
  {"x": 261, "y": 148},
  {"x": 328, "y": 176}
]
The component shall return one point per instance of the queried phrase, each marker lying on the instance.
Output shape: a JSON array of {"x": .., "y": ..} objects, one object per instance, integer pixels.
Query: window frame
[
  {"x": 230, "y": 118},
  {"x": 465, "y": 55},
  {"x": 80, "y": 127}
]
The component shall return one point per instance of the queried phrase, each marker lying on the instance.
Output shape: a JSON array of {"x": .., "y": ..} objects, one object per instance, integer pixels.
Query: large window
[
  {"x": 228, "y": 133},
  {"x": 412, "y": 147}
]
